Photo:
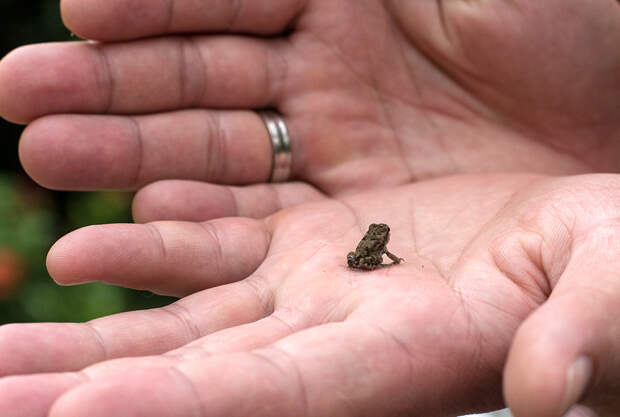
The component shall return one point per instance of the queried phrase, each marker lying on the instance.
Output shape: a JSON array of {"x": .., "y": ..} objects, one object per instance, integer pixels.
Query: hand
[
  {"x": 305, "y": 335},
  {"x": 411, "y": 89},
  {"x": 346, "y": 110}
]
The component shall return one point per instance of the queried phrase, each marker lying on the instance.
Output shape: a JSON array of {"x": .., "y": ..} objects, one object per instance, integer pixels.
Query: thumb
[{"x": 568, "y": 351}]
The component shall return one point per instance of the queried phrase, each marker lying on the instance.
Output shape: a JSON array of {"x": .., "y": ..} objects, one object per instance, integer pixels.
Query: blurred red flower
[{"x": 12, "y": 269}]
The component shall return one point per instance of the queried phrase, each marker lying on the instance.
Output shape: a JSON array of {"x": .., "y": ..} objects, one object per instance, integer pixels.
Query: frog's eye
[{"x": 351, "y": 258}]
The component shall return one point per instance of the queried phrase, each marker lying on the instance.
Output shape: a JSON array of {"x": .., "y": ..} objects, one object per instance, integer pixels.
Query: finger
[
  {"x": 112, "y": 152},
  {"x": 581, "y": 411},
  {"x": 144, "y": 76},
  {"x": 121, "y": 19},
  {"x": 566, "y": 352},
  {"x": 242, "y": 338},
  {"x": 196, "y": 201},
  {"x": 338, "y": 369},
  {"x": 48, "y": 387},
  {"x": 33, "y": 395},
  {"x": 245, "y": 337},
  {"x": 173, "y": 258},
  {"x": 61, "y": 347}
]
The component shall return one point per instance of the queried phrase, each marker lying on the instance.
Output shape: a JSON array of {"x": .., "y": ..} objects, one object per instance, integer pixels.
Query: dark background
[{"x": 32, "y": 218}]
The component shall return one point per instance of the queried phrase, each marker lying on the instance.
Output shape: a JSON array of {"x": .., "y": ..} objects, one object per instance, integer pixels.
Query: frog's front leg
[{"x": 393, "y": 257}]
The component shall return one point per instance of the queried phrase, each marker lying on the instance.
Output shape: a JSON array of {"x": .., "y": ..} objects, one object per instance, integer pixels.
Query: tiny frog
[{"x": 370, "y": 250}]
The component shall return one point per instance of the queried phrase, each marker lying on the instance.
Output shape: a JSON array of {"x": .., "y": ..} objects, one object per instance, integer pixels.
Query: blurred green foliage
[
  {"x": 32, "y": 218},
  {"x": 29, "y": 223}
]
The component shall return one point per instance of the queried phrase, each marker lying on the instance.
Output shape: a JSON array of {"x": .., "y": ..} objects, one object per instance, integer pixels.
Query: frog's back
[{"x": 374, "y": 240}]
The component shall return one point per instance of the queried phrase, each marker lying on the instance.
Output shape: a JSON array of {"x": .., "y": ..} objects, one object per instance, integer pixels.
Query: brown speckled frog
[{"x": 370, "y": 250}]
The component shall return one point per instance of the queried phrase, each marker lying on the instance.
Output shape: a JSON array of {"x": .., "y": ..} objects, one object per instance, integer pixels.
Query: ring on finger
[{"x": 280, "y": 145}]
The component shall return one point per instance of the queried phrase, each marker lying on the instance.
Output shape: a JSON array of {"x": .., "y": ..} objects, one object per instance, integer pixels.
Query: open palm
[
  {"x": 305, "y": 335},
  {"x": 377, "y": 95},
  {"x": 373, "y": 92}
]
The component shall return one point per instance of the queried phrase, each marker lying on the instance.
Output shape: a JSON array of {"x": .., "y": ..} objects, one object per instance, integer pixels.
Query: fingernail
[{"x": 577, "y": 380}]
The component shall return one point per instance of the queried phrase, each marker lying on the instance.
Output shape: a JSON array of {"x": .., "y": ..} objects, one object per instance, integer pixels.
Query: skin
[{"x": 509, "y": 277}]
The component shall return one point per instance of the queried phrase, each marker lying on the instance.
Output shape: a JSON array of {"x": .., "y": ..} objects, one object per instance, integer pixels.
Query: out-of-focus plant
[
  {"x": 11, "y": 271},
  {"x": 32, "y": 218},
  {"x": 30, "y": 221}
]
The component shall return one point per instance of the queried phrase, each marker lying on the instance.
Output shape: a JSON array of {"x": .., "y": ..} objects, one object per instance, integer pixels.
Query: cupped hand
[
  {"x": 374, "y": 92},
  {"x": 500, "y": 270}
]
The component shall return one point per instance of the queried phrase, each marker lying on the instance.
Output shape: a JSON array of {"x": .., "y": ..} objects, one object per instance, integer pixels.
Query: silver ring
[{"x": 280, "y": 145}]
